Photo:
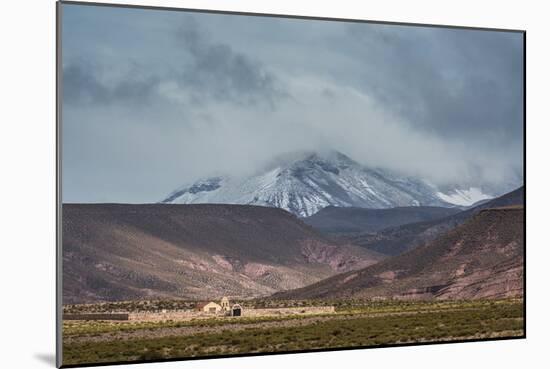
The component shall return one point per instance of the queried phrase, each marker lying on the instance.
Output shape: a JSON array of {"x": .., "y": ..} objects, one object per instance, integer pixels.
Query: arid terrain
[
  {"x": 394, "y": 240},
  {"x": 482, "y": 258},
  {"x": 135, "y": 277},
  {"x": 239, "y": 185},
  {"x": 354, "y": 324},
  {"x": 115, "y": 252}
]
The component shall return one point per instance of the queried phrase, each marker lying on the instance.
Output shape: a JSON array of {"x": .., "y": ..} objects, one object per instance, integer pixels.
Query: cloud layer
[{"x": 154, "y": 99}]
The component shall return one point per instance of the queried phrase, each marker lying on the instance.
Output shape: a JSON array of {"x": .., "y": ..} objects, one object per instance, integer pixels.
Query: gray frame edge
[{"x": 58, "y": 233}]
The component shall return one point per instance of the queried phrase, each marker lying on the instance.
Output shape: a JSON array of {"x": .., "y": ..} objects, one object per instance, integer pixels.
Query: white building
[{"x": 209, "y": 307}]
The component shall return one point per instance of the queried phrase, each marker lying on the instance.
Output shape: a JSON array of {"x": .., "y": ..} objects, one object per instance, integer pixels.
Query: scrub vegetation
[{"x": 355, "y": 324}]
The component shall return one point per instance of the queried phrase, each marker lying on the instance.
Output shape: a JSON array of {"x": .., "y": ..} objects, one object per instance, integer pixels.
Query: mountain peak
[
  {"x": 305, "y": 182},
  {"x": 331, "y": 156}
]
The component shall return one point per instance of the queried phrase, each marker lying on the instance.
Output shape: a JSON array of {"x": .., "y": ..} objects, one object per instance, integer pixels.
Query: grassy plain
[{"x": 355, "y": 324}]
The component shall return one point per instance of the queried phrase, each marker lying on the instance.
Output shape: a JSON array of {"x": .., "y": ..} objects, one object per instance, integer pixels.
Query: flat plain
[{"x": 355, "y": 323}]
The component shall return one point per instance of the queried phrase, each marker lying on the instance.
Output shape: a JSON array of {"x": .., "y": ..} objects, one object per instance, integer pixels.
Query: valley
[
  {"x": 234, "y": 183},
  {"x": 137, "y": 276}
]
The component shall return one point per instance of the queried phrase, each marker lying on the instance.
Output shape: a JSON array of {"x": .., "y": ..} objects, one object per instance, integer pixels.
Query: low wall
[
  {"x": 183, "y": 315},
  {"x": 169, "y": 315},
  {"x": 96, "y": 316},
  {"x": 307, "y": 310}
]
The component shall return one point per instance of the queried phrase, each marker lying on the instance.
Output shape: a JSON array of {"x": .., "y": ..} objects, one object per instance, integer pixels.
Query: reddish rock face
[
  {"x": 123, "y": 252},
  {"x": 483, "y": 258},
  {"x": 339, "y": 258}
]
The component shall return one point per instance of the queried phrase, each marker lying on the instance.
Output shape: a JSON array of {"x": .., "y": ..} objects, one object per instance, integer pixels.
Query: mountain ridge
[
  {"x": 304, "y": 184},
  {"x": 395, "y": 240},
  {"x": 336, "y": 220},
  {"x": 482, "y": 258}
]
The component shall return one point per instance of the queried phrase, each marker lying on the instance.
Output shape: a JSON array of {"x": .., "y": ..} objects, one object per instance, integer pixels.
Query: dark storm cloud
[
  {"x": 207, "y": 70},
  {"x": 216, "y": 70},
  {"x": 456, "y": 83},
  {"x": 82, "y": 84},
  {"x": 153, "y": 100}
]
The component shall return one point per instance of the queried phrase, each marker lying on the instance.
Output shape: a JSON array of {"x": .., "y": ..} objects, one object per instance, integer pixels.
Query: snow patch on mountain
[
  {"x": 464, "y": 197},
  {"x": 304, "y": 184}
]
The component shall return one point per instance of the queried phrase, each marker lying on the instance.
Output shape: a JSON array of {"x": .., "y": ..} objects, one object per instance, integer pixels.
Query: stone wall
[
  {"x": 182, "y": 315},
  {"x": 96, "y": 316},
  {"x": 170, "y": 315},
  {"x": 307, "y": 310}
]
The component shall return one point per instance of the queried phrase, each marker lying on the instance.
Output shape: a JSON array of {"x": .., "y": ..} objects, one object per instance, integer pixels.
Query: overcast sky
[{"x": 155, "y": 99}]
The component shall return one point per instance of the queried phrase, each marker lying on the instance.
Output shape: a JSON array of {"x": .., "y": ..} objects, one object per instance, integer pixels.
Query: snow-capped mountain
[{"x": 305, "y": 183}]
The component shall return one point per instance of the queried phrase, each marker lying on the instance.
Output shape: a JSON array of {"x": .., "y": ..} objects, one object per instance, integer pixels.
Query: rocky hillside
[
  {"x": 121, "y": 252},
  {"x": 482, "y": 258},
  {"x": 396, "y": 240}
]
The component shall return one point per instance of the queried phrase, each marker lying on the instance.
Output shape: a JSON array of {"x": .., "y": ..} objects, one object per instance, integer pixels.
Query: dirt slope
[
  {"x": 482, "y": 258},
  {"x": 121, "y": 252}
]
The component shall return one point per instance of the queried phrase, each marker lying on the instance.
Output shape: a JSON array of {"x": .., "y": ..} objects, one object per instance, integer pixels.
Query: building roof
[{"x": 200, "y": 305}]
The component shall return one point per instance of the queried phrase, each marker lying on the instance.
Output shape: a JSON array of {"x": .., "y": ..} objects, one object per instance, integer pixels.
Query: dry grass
[{"x": 369, "y": 324}]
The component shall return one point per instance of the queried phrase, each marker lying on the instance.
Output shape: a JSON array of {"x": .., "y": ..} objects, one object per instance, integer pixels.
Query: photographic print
[{"x": 238, "y": 184}]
